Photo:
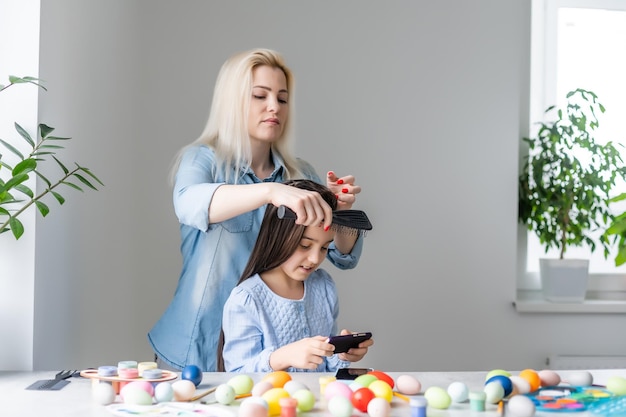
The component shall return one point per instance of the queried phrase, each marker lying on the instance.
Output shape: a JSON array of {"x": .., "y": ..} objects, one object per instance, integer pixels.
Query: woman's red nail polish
[
  {"x": 344, "y": 190},
  {"x": 339, "y": 181},
  {"x": 327, "y": 228},
  {"x": 337, "y": 196},
  {"x": 330, "y": 173}
]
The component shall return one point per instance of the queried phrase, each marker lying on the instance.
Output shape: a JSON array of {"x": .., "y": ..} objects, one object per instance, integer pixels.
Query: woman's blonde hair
[{"x": 226, "y": 130}]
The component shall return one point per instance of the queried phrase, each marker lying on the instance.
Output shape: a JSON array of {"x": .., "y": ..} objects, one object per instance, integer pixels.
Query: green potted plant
[
  {"x": 617, "y": 230},
  {"x": 15, "y": 195},
  {"x": 564, "y": 191}
]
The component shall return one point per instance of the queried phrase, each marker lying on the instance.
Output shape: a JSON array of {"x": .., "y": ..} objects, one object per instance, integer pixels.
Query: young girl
[{"x": 284, "y": 308}]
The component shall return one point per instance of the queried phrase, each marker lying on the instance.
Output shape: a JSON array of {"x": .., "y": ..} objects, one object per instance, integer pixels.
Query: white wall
[{"x": 424, "y": 102}]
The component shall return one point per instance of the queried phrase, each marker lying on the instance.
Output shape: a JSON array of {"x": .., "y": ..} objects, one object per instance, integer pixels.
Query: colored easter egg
[
  {"x": 580, "y": 378},
  {"x": 252, "y": 409},
  {"x": 277, "y": 378},
  {"x": 379, "y": 407},
  {"x": 549, "y": 378},
  {"x": 381, "y": 389},
  {"x": 225, "y": 394},
  {"x": 361, "y": 398},
  {"x": 532, "y": 377},
  {"x": 383, "y": 377},
  {"x": 408, "y": 385},
  {"x": 616, "y": 384},
  {"x": 144, "y": 385},
  {"x": 337, "y": 388},
  {"x": 340, "y": 406},
  {"x": 163, "y": 392},
  {"x": 494, "y": 392},
  {"x": 293, "y": 386},
  {"x": 495, "y": 372},
  {"x": 103, "y": 393},
  {"x": 520, "y": 406},
  {"x": 184, "y": 390},
  {"x": 136, "y": 395},
  {"x": 305, "y": 398},
  {"x": 505, "y": 381},
  {"x": 437, "y": 397},
  {"x": 458, "y": 392},
  {"x": 242, "y": 384},
  {"x": 261, "y": 387},
  {"x": 192, "y": 373},
  {"x": 520, "y": 385},
  {"x": 273, "y": 397},
  {"x": 365, "y": 379}
]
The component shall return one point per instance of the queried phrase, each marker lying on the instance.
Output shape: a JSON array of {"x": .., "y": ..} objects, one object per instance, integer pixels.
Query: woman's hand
[
  {"x": 306, "y": 353},
  {"x": 344, "y": 188},
  {"x": 309, "y": 206},
  {"x": 355, "y": 354}
]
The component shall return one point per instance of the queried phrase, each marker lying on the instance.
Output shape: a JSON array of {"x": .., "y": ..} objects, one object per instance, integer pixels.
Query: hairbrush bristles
[{"x": 353, "y": 222}]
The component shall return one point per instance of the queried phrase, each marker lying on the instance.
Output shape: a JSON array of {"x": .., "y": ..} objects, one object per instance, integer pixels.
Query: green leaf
[
  {"x": 16, "y": 227},
  {"x": 44, "y": 130},
  {"x": 25, "y": 190},
  {"x": 23, "y": 133},
  {"x": 84, "y": 181},
  {"x": 69, "y": 184},
  {"x": 12, "y": 149},
  {"x": 92, "y": 175},
  {"x": 59, "y": 197},
  {"x": 11, "y": 183},
  {"x": 62, "y": 166},
  {"x": 57, "y": 138},
  {"x": 24, "y": 167},
  {"x": 43, "y": 209}
]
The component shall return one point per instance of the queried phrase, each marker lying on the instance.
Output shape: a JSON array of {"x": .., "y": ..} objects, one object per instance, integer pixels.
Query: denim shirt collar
[{"x": 275, "y": 176}]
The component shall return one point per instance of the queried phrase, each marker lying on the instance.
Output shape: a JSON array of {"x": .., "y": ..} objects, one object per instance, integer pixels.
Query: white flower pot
[{"x": 564, "y": 280}]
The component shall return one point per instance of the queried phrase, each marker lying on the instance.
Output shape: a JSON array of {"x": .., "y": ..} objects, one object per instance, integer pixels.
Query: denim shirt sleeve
[
  {"x": 194, "y": 187},
  {"x": 340, "y": 260}
]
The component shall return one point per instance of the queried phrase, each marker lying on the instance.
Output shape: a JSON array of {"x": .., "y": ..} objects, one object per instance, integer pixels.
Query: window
[{"x": 580, "y": 44}]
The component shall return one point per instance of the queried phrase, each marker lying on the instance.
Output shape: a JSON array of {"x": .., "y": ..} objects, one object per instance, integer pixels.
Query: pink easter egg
[{"x": 337, "y": 388}]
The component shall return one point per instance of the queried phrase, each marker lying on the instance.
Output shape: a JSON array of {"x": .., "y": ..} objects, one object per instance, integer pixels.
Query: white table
[{"x": 75, "y": 398}]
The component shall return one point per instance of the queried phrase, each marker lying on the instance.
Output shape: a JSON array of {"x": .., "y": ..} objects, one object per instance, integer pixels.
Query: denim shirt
[
  {"x": 214, "y": 256},
  {"x": 257, "y": 321}
]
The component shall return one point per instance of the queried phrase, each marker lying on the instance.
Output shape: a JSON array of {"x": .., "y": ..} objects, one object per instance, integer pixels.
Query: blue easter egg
[
  {"x": 505, "y": 381},
  {"x": 192, "y": 373}
]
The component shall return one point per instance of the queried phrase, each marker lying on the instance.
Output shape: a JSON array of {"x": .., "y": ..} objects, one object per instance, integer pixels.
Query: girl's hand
[
  {"x": 306, "y": 353},
  {"x": 344, "y": 188},
  {"x": 355, "y": 354}
]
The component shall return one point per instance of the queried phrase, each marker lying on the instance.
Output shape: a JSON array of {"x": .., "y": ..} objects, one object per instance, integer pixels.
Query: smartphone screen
[{"x": 351, "y": 373}]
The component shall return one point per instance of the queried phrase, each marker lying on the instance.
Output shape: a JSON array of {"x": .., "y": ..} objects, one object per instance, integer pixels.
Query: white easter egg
[
  {"x": 520, "y": 406},
  {"x": 103, "y": 393},
  {"x": 408, "y": 385}
]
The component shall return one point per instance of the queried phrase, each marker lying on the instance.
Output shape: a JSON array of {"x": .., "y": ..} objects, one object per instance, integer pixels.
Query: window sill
[{"x": 596, "y": 302}]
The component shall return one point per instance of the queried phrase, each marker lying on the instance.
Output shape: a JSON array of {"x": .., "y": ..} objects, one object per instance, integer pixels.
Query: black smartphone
[
  {"x": 351, "y": 373},
  {"x": 343, "y": 343}
]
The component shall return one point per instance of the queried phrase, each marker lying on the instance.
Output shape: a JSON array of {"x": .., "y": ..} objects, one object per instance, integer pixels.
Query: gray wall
[{"x": 424, "y": 102}]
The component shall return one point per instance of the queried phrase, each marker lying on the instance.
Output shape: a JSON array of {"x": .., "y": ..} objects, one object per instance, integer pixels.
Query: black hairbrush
[{"x": 344, "y": 221}]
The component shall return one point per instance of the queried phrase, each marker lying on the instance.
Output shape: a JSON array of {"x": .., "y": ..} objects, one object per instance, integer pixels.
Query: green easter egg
[
  {"x": 365, "y": 380},
  {"x": 305, "y": 398},
  {"x": 242, "y": 384},
  {"x": 495, "y": 372},
  {"x": 617, "y": 385},
  {"x": 437, "y": 397}
]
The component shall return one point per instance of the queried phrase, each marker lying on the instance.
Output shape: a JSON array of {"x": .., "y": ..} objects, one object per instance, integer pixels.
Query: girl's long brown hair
[{"x": 278, "y": 239}]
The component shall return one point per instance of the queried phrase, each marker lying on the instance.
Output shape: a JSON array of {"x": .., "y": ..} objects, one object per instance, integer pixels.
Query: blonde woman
[{"x": 222, "y": 184}]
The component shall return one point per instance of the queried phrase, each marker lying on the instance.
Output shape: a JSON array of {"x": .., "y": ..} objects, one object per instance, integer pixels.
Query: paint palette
[
  {"x": 119, "y": 382},
  {"x": 569, "y": 399},
  {"x": 614, "y": 407}
]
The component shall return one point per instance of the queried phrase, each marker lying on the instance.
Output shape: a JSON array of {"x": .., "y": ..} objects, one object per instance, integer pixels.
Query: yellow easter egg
[
  {"x": 272, "y": 397},
  {"x": 381, "y": 389}
]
